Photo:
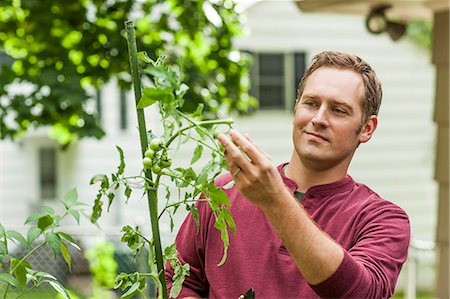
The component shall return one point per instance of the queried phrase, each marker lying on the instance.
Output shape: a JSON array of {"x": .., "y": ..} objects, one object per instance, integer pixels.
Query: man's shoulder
[{"x": 372, "y": 199}]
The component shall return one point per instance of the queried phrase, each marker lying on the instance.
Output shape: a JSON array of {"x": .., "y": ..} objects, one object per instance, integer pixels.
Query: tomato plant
[
  {"x": 167, "y": 91},
  {"x": 44, "y": 229}
]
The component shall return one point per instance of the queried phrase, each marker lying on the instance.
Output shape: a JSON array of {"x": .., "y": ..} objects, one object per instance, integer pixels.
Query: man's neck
[{"x": 307, "y": 177}]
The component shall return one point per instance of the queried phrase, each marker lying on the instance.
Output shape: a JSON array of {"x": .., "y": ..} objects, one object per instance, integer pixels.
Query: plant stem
[
  {"x": 198, "y": 124},
  {"x": 152, "y": 198}
]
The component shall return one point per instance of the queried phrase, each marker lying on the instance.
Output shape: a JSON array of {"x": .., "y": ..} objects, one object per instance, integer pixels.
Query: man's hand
[{"x": 254, "y": 173}]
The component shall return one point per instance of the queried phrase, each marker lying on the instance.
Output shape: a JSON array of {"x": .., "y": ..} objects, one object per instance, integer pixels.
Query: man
[{"x": 305, "y": 229}]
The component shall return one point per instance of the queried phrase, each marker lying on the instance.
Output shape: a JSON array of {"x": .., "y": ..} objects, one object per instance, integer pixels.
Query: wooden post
[{"x": 441, "y": 60}]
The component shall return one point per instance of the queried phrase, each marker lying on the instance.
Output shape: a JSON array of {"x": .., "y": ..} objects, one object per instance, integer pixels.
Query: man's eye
[
  {"x": 309, "y": 104},
  {"x": 339, "y": 111}
]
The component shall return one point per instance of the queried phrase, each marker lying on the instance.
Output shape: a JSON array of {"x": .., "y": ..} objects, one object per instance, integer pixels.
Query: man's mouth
[{"x": 316, "y": 135}]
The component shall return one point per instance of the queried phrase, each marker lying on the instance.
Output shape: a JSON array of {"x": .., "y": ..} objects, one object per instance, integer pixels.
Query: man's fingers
[
  {"x": 233, "y": 154},
  {"x": 247, "y": 146},
  {"x": 247, "y": 136}
]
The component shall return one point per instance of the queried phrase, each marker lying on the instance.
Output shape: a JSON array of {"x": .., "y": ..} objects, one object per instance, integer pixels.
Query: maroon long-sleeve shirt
[{"x": 374, "y": 233}]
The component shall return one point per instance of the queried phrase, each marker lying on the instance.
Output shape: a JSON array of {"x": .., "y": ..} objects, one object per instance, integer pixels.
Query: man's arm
[{"x": 316, "y": 255}]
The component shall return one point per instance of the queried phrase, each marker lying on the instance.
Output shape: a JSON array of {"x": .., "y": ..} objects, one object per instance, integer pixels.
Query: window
[
  {"x": 275, "y": 77},
  {"x": 47, "y": 172}
]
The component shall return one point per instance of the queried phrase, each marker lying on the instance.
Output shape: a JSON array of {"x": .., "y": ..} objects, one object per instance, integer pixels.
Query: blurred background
[{"x": 66, "y": 102}]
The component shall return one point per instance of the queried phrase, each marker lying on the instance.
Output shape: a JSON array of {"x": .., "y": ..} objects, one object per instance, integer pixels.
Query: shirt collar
[{"x": 343, "y": 185}]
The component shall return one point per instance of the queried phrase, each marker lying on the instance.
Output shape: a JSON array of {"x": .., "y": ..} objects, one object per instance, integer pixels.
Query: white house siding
[{"x": 397, "y": 162}]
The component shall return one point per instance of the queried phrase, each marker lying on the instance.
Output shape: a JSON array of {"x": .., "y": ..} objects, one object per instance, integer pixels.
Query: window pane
[
  {"x": 271, "y": 64},
  {"x": 271, "y": 96},
  {"x": 47, "y": 169},
  {"x": 299, "y": 68}
]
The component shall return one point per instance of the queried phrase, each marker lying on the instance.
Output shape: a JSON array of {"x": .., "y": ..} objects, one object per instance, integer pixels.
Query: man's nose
[{"x": 320, "y": 117}]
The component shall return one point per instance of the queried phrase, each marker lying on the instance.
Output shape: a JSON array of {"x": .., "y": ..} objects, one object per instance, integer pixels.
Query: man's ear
[{"x": 368, "y": 129}]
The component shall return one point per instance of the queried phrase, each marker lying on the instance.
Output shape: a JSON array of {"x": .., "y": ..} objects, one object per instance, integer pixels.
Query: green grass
[{"x": 419, "y": 295}]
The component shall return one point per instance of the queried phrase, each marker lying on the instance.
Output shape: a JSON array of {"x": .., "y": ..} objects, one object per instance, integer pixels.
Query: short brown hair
[{"x": 371, "y": 99}]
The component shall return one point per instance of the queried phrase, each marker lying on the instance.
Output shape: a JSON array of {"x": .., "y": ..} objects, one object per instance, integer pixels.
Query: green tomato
[
  {"x": 166, "y": 161},
  {"x": 148, "y": 163},
  {"x": 156, "y": 169},
  {"x": 156, "y": 144},
  {"x": 149, "y": 153}
]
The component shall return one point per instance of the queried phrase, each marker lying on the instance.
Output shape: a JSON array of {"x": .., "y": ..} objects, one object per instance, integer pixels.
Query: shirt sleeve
[
  {"x": 190, "y": 245},
  {"x": 371, "y": 266}
]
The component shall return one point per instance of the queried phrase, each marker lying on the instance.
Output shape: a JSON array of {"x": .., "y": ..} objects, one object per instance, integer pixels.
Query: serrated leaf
[
  {"x": 151, "y": 95},
  {"x": 225, "y": 213},
  {"x": 122, "y": 161},
  {"x": 219, "y": 196},
  {"x": 97, "y": 208},
  {"x": 131, "y": 291},
  {"x": 45, "y": 221},
  {"x": 197, "y": 153},
  {"x": 9, "y": 279},
  {"x": 66, "y": 255},
  {"x": 59, "y": 288},
  {"x": 13, "y": 235},
  {"x": 99, "y": 178},
  {"x": 32, "y": 234},
  {"x": 54, "y": 241},
  {"x": 71, "y": 196}
]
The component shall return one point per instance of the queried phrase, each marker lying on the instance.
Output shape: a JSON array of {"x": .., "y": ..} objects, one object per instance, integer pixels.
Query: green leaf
[
  {"x": 2, "y": 231},
  {"x": 71, "y": 196},
  {"x": 76, "y": 215},
  {"x": 20, "y": 271},
  {"x": 197, "y": 153},
  {"x": 9, "y": 279},
  {"x": 142, "y": 55},
  {"x": 32, "y": 234},
  {"x": 121, "y": 167},
  {"x": 59, "y": 288},
  {"x": 54, "y": 241},
  {"x": 152, "y": 95},
  {"x": 3, "y": 250},
  {"x": 100, "y": 178},
  {"x": 13, "y": 235},
  {"x": 226, "y": 215},
  {"x": 44, "y": 222},
  {"x": 219, "y": 196},
  {"x": 182, "y": 89},
  {"x": 66, "y": 255},
  {"x": 68, "y": 238},
  {"x": 127, "y": 192},
  {"x": 47, "y": 210},
  {"x": 111, "y": 196},
  {"x": 97, "y": 208},
  {"x": 131, "y": 291}
]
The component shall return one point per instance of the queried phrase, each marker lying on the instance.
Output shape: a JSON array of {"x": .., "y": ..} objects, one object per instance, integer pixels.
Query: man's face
[{"x": 328, "y": 116}]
